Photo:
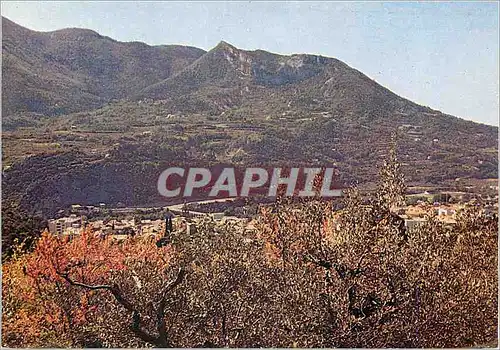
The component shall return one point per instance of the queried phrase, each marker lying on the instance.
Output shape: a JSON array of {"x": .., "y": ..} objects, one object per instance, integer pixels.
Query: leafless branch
[
  {"x": 160, "y": 312},
  {"x": 115, "y": 290}
]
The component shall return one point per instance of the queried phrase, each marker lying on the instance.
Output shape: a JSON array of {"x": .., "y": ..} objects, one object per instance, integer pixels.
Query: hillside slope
[
  {"x": 239, "y": 77},
  {"x": 224, "y": 106},
  {"x": 74, "y": 69}
]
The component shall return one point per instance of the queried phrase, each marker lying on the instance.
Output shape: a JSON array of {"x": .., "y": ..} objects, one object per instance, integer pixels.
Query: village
[{"x": 121, "y": 223}]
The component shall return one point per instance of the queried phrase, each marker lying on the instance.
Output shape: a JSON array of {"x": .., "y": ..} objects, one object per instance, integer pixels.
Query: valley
[{"x": 225, "y": 106}]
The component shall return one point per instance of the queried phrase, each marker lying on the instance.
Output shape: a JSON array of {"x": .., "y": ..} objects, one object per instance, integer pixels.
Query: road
[{"x": 174, "y": 207}]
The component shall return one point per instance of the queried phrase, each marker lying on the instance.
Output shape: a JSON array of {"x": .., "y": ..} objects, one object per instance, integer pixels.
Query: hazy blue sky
[{"x": 443, "y": 55}]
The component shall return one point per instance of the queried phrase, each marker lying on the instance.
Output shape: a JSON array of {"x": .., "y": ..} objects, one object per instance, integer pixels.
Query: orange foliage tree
[
  {"x": 304, "y": 275},
  {"x": 44, "y": 305}
]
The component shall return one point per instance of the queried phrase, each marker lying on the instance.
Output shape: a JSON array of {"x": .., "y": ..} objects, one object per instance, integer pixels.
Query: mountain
[
  {"x": 74, "y": 69},
  {"x": 238, "y": 76},
  {"x": 89, "y": 119}
]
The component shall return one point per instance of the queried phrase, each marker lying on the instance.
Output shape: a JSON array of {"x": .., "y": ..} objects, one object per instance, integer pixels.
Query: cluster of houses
[
  {"x": 67, "y": 225},
  {"x": 414, "y": 215},
  {"x": 120, "y": 228}
]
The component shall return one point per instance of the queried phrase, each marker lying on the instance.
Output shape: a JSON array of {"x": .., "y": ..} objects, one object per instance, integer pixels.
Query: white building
[{"x": 71, "y": 224}]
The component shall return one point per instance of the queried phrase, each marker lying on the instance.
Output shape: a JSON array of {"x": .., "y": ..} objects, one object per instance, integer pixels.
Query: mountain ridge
[
  {"x": 273, "y": 75},
  {"x": 47, "y": 71},
  {"x": 93, "y": 120},
  {"x": 96, "y": 98}
]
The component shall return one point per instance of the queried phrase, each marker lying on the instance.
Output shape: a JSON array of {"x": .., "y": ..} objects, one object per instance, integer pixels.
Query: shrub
[{"x": 306, "y": 276}]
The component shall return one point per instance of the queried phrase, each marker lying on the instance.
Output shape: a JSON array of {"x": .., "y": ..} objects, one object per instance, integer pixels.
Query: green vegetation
[
  {"x": 303, "y": 276},
  {"x": 101, "y": 129}
]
